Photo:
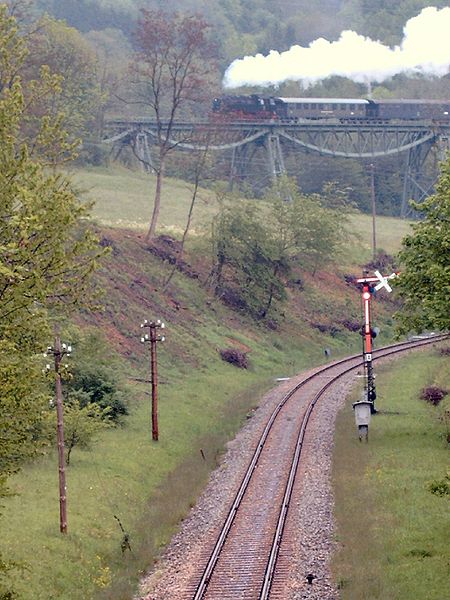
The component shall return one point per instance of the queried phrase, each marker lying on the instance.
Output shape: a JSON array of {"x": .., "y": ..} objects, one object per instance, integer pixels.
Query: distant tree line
[{"x": 250, "y": 26}]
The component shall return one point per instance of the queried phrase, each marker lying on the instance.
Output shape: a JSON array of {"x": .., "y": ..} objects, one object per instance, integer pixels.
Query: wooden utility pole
[
  {"x": 374, "y": 210},
  {"x": 58, "y": 351},
  {"x": 154, "y": 373},
  {"x": 153, "y": 337},
  {"x": 60, "y": 436}
]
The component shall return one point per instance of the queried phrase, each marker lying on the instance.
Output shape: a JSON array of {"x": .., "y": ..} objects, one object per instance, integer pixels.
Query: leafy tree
[
  {"x": 307, "y": 232},
  {"x": 95, "y": 376},
  {"x": 82, "y": 424},
  {"x": 83, "y": 420},
  {"x": 200, "y": 169},
  {"x": 424, "y": 281},
  {"x": 22, "y": 401},
  {"x": 256, "y": 246},
  {"x": 171, "y": 69},
  {"x": 65, "y": 53},
  {"x": 47, "y": 252},
  {"x": 46, "y": 259},
  {"x": 113, "y": 52},
  {"x": 86, "y": 15},
  {"x": 247, "y": 267}
]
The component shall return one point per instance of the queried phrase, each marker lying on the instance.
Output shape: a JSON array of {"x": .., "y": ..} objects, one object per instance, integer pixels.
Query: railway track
[{"x": 252, "y": 551}]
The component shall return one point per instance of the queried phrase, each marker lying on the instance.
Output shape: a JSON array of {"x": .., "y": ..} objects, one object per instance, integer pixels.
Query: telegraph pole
[
  {"x": 374, "y": 211},
  {"x": 153, "y": 337},
  {"x": 58, "y": 351}
]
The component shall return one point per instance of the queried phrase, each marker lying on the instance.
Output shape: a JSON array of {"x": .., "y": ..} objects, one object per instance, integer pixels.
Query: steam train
[{"x": 298, "y": 110}]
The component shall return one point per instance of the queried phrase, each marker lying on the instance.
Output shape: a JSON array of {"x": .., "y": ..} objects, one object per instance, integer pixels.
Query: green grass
[
  {"x": 392, "y": 531},
  {"x": 124, "y": 198},
  {"x": 389, "y": 231},
  {"x": 124, "y": 475},
  {"x": 149, "y": 486},
  {"x": 203, "y": 402}
]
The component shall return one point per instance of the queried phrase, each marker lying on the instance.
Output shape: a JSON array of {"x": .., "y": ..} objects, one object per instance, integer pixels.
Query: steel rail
[
  {"x": 270, "y": 569},
  {"x": 271, "y": 563}
]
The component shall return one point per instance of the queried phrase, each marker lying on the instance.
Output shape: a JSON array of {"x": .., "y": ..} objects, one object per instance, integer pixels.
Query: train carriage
[
  {"x": 413, "y": 109},
  {"x": 325, "y": 108},
  {"x": 296, "y": 110}
]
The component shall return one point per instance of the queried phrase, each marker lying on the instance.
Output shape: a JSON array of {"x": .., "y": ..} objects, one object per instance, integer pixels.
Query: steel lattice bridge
[{"x": 245, "y": 142}]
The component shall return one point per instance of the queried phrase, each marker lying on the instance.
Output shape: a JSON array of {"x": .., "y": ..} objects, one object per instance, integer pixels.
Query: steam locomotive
[{"x": 298, "y": 110}]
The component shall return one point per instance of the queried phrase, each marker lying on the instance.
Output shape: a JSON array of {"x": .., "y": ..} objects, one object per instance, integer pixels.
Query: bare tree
[
  {"x": 199, "y": 171},
  {"x": 171, "y": 71}
]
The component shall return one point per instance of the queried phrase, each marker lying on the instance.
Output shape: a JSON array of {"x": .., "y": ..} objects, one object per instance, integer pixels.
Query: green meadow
[{"x": 392, "y": 531}]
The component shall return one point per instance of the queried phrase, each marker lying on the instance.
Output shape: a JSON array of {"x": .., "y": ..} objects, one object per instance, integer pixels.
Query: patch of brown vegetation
[
  {"x": 169, "y": 250},
  {"x": 237, "y": 344}
]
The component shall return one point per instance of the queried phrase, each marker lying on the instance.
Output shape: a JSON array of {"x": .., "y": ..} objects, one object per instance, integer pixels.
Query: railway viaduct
[{"x": 244, "y": 142}]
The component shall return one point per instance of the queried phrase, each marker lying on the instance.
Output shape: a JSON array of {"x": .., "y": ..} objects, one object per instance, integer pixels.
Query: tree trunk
[
  {"x": 265, "y": 310},
  {"x": 180, "y": 255},
  {"x": 155, "y": 215},
  {"x": 69, "y": 450}
]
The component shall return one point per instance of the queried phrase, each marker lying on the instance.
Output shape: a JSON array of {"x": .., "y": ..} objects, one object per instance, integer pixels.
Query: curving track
[{"x": 252, "y": 553}]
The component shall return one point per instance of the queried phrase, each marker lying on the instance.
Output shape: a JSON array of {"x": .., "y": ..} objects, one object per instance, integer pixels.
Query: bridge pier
[
  {"x": 274, "y": 155},
  {"x": 143, "y": 153},
  {"x": 417, "y": 183},
  {"x": 240, "y": 161},
  {"x": 245, "y": 141}
]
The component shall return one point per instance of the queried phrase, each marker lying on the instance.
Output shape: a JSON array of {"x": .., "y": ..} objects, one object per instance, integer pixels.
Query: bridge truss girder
[
  {"x": 359, "y": 143},
  {"x": 350, "y": 140}
]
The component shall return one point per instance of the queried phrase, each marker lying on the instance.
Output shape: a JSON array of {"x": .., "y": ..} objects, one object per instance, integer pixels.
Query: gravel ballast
[{"x": 171, "y": 578}]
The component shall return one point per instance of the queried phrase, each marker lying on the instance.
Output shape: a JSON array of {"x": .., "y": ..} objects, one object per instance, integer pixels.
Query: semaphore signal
[{"x": 369, "y": 285}]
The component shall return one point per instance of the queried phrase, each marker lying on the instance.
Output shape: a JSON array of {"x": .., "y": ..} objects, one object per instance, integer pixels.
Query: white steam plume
[{"x": 425, "y": 49}]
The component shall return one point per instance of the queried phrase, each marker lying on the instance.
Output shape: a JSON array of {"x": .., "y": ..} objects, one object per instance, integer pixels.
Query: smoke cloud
[{"x": 425, "y": 49}]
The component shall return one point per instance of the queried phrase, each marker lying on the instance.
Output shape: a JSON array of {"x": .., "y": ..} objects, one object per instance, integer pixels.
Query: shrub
[
  {"x": 351, "y": 280},
  {"x": 382, "y": 261},
  {"x": 169, "y": 250},
  {"x": 296, "y": 284},
  {"x": 92, "y": 154},
  {"x": 235, "y": 357},
  {"x": 440, "y": 487},
  {"x": 233, "y": 299},
  {"x": 100, "y": 386},
  {"x": 433, "y": 394},
  {"x": 327, "y": 328},
  {"x": 97, "y": 377},
  {"x": 351, "y": 325},
  {"x": 272, "y": 324}
]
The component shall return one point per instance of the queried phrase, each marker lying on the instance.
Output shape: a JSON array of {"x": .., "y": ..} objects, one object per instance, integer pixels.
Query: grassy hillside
[
  {"x": 124, "y": 198},
  {"x": 126, "y": 477},
  {"x": 392, "y": 530}
]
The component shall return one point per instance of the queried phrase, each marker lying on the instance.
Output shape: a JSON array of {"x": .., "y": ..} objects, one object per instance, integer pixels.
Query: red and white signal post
[{"x": 369, "y": 285}]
